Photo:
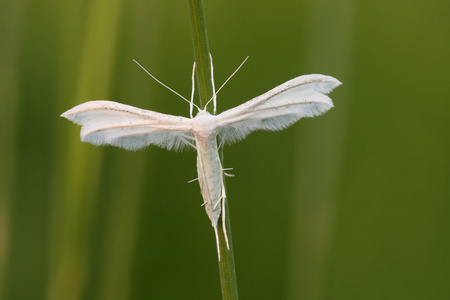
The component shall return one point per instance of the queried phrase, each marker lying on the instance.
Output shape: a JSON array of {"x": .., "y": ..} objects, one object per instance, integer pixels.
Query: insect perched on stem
[{"x": 131, "y": 128}]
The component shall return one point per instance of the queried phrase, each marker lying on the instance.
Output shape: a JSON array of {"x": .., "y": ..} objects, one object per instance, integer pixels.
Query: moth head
[
  {"x": 204, "y": 124},
  {"x": 202, "y": 113}
]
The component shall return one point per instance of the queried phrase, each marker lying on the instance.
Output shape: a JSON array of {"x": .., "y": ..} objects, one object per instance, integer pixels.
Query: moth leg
[
  {"x": 217, "y": 241},
  {"x": 223, "y": 221},
  {"x": 226, "y": 174},
  {"x": 189, "y": 143},
  {"x": 221, "y": 143},
  {"x": 223, "y": 199},
  {"x": 187, "y": 136},
  {"x": 188, "y": 140}
]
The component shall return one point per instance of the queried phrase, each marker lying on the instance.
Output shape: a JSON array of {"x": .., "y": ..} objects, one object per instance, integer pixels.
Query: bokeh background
[{"x": 354, "y": 204}]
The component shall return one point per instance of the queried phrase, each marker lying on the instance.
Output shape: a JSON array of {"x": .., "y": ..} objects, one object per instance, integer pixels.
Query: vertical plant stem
[
  {"x": 11, "y": 23},
  {"x": 314, "y": 213},
  {"x": 76, "y": 181},
  {"x": 201, "y": 51},
  {"x": 227, "y": 269},
  {"x": 205, "y": 87}
]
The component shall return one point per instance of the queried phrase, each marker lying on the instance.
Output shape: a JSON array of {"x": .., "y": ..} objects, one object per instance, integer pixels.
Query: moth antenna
[
  {"x": 191, "y": 107},
  {"x": 173, "y": 91},
  {"x": 192, "y": 180},
  {"x": 215, "y": 94},
  {"x": 242, "y": 63},
  {"x": 214, "y": 97}
]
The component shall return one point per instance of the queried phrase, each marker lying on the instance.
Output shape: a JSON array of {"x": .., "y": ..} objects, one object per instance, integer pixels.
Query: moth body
[
  {"x": 209, "y": 167},
  {"x": 209, "y": 171}
]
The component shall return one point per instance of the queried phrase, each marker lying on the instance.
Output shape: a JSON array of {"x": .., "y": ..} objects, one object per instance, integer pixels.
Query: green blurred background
[{"x": 351, "y": 205}]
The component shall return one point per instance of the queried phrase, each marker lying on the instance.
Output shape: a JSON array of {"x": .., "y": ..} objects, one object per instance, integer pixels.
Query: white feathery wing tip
[
  {"x": 128, "y": 127},
  {"x": 277, "y": 109}
]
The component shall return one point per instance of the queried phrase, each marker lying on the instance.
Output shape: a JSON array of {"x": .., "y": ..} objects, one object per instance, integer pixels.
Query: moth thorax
[{"x": 204, "y": 124}]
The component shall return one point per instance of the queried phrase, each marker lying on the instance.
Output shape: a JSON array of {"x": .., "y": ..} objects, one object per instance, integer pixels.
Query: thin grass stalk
[
  {"x": 10, "y": 22},
  {"x": 121, "y": 232},
  {"x": 201, "y": 51},
  {"x": 125, "y": 197},
  {"x": 320, "y": 154},
  {"x": 74, "y": 202},
  {"x": 206, "y": 92}
]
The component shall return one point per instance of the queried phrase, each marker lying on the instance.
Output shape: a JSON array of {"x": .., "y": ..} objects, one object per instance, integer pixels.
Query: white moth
[{"x": 131, "y": 128}]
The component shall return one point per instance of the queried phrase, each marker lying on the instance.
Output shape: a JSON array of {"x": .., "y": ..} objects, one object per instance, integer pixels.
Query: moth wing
[
  {"x": 128, "y": 127},
  {"x": 277, "y": 109}
]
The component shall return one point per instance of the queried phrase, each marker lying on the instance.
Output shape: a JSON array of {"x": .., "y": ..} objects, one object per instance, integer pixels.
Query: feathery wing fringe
[
  {"x": 128, "y": 127},
  {"x": 304, "y": 96}
]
